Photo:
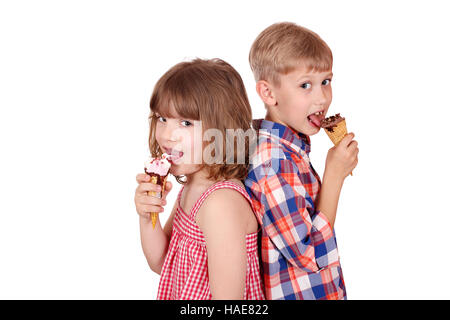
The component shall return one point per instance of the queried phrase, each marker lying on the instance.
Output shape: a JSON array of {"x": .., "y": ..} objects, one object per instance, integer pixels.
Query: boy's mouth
[{"x": 316, "y": 117}]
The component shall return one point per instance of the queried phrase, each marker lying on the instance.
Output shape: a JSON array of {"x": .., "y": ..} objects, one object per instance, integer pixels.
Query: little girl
[{"x": 208, "y": 247}]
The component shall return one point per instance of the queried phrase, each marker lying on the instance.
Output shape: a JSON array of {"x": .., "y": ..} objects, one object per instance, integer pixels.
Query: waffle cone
[
  {"x": 154, "y": 180},
  {"x": 338, "y": 132}
]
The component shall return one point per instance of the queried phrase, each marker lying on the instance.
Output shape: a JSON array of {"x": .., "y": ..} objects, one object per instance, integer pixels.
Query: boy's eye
[
  {"x": 326, "y": 82},
  {"x": 186, "y": 123},
  {"x": 306, "y": 85}
]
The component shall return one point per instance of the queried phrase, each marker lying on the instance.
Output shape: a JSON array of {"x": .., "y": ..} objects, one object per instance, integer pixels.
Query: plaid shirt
[{"x": 298, "y": 246}]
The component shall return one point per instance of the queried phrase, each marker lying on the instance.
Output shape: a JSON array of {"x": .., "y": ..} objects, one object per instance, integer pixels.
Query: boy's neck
[{"x": 271, "y": 118}]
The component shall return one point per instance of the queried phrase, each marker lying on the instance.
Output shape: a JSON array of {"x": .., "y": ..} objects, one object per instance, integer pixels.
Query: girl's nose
[{"x": 170, "y": 132}]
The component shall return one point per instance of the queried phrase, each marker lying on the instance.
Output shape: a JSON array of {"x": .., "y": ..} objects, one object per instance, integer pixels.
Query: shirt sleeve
[{"x": 301, "y": 233}]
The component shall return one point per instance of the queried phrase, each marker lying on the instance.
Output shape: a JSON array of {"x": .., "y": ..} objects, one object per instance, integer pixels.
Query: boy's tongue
[{"x": 316, "y": 119}]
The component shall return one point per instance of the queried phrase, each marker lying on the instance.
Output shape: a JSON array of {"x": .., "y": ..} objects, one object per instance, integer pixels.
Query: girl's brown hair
[{"x": 212, "y": 92}]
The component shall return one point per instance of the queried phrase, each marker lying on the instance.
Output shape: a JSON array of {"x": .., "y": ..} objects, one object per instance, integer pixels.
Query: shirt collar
[{"x": 293, "y": 139}]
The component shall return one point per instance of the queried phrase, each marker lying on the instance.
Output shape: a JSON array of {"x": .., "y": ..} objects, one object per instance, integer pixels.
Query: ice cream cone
[
  {"x": 157, "y": 169},
  {"x": 338, "y": 132},
  {"x": 154, "y": 180},
  {"x": 336, "y": 129}
]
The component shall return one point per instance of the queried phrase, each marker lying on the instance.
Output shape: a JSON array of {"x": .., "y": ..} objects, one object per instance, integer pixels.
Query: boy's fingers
[
  {"x": 353, "y": 145},
  {"x": 353, "y": 142},
  {"x": 347, "y": 139}
]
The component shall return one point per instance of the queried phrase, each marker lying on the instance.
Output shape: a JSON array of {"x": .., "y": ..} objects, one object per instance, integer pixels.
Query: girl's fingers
[
  {"x": 145, "y": 211},
  {"x": 149, "y": 208},
  {"x": 146, "y": 187},
  {"x": 167, "y": 189},
  {"x": 151, "y": 200},
  {"x": 142, "y": 177}
]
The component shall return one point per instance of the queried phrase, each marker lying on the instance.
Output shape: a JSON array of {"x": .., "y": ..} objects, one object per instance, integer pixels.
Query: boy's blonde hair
[
  {"x": 282, "y": 47},
  {"x": 210, "y": 91}
]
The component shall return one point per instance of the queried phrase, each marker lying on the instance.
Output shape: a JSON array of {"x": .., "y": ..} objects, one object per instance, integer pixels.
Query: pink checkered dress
[{"x": 184, "y": 275}]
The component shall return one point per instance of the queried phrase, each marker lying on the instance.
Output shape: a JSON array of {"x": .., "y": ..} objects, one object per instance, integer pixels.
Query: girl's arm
[
  {"x": 223, "y": 219},
  {"x": 155, "y": 242}
]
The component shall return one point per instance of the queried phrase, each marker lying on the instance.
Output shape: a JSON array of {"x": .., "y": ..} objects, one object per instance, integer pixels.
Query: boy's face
[{"x": 302, "y": 100}]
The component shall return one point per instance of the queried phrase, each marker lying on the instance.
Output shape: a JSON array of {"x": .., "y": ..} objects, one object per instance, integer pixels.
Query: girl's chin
[
  {"x": 182, "y": 169},
  {"x": 176, "y": 170}
]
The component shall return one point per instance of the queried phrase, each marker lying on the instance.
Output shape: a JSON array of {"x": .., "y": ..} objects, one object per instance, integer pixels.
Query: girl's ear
[{"x": 265, "y": 92}]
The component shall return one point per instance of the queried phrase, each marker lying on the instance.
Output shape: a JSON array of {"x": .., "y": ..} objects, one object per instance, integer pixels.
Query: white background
[{"x": 75, "y": 83}]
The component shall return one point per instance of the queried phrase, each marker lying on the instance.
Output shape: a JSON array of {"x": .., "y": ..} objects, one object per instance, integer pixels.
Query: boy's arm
[
  {"x": 304, "y": 238},
  {"x": 329, "y": 196},
  {"x": 341, "y": 160}
]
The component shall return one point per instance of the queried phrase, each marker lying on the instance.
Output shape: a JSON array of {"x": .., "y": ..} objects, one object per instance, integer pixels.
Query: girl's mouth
[{"x": 174, "y": 155}]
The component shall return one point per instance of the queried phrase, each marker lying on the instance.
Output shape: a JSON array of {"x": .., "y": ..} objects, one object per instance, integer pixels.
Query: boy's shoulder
[
  {"x": 271, "y": 157},
  {"x": 271, "y": 146},
  {"x": 268, "y": 147},
  {"x": 279, "y": 150}
]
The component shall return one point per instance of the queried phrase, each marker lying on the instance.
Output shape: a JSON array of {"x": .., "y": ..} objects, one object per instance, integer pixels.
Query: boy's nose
[{"x": 320, "y": 97}]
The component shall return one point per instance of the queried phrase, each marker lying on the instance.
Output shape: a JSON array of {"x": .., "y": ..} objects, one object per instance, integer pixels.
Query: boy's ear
[{"x": 265, "y": 92}]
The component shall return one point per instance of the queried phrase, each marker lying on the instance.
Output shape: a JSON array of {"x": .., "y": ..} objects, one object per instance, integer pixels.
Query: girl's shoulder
[
  {"x": 226, "y": 202},
  {"x": 224, "y": 192},
  {"x": 237, "y": 182}
]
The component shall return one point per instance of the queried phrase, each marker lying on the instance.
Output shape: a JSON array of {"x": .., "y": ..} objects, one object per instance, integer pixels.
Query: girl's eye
[
  {"x": 186, "y": 123},
  {"x": 161, "y": 119},
  {"x": 306, "y": 85},
  {"x": 326, "y": 82}
]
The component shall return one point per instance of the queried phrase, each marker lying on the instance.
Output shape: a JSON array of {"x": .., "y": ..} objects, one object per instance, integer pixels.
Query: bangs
[
  {"x": 169, "y": 105},
  {"x": 173, "y": 98},
  {"x": 313, "y": 64},
  {"x": 313, "y": 58},
  {"x": 318, "y": 64}
]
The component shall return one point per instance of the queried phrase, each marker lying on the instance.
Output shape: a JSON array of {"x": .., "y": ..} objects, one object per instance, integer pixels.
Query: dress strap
[
  {"x": 179, "y": 194},
  {"x": 214, "y": 187}
]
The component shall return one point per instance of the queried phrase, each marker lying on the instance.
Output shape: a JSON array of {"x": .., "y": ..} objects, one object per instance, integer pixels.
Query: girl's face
[{"x": 182, "y": 139}]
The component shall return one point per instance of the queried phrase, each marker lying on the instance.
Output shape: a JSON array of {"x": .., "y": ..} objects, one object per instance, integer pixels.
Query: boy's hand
[
  {"x": 146, "y": 204},
  {"x": 343, "y": 158}
]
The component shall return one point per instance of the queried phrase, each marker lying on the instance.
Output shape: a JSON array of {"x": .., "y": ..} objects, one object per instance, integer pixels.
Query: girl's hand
[
  {"x": 343, "y": 158},
  {"x": 146, "y": 204}
]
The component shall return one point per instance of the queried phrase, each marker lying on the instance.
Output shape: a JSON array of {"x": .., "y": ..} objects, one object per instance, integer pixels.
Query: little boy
[{"x": 293, "y": 70}]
